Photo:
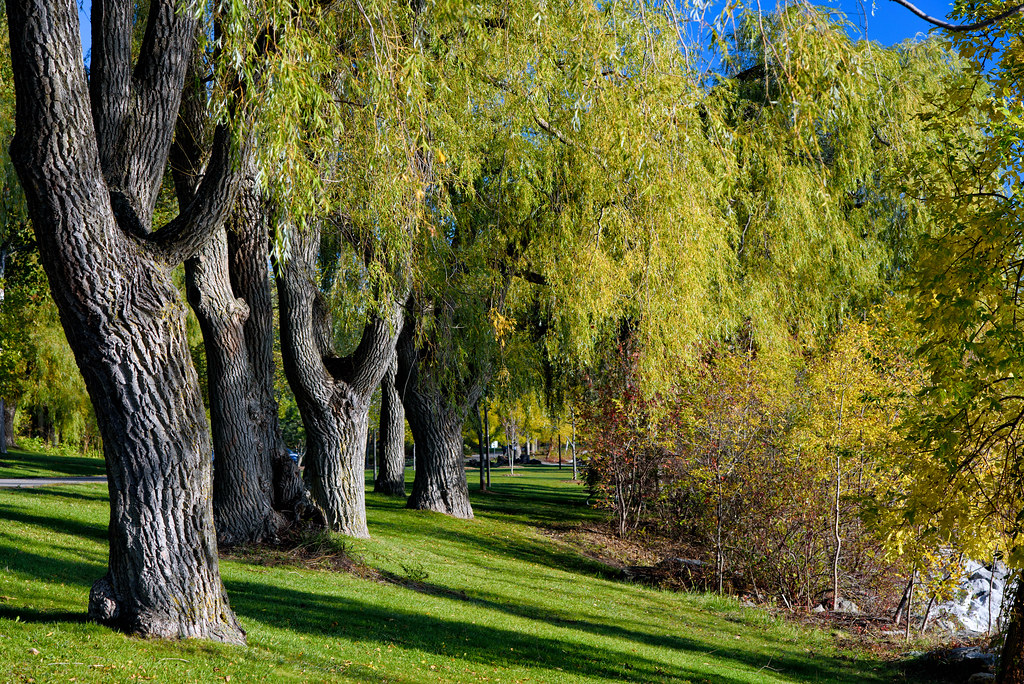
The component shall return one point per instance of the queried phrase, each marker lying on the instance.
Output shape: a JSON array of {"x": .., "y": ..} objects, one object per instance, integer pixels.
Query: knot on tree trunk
[{"x": 103, "y": 604}]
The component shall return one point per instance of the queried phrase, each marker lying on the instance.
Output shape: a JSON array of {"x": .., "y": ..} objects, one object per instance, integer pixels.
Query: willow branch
[{"x": 961, "y": 28}]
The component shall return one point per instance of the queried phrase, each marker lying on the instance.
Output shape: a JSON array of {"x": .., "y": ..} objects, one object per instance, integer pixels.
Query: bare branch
[{"x": 962, "y": 28}]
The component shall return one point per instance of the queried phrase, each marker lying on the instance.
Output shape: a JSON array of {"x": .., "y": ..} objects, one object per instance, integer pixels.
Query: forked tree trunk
[
  {"x": 436, "y": 422},
  {"x": 391, "y": 444},
  {"x": 332, "y": 393},
  {"x": 91, "y": 183}
]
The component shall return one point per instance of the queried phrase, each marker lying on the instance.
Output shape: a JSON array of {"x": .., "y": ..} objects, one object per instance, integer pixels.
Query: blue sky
[
  {"x": 887, "y": 22},
  {"x": 880, "y": 20}
]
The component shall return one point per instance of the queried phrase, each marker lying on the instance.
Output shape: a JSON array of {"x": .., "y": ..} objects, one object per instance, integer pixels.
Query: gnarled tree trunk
[
  {"x": 91, "y": 181},
  {"x": 236, "y": 336},
  {"x": 243, "y": 477},
  {"x": 391, "y": 443},
  {"x": 249, "y": 261},
  {"x": 436, "y": 420},
  {"x": 332, "y": 393}
]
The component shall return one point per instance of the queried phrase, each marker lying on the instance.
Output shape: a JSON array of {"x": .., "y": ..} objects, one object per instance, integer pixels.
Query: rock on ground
[{"x": 979, "y": 595}]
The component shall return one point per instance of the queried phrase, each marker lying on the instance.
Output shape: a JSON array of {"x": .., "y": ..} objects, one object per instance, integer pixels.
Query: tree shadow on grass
[
  {"x": 511, "y": 499},
  {"x": 337, "y": 616},
  {"x": 94, "y": 531},
  {"x": 534, "y": 502},
  {"x": 33, "y": 616},
  {"x": 47, "y": 569},
  {"x": 93, "y": 492},
  {"x": 534, "y": 550},
  {"x": 35, "y": 464},
  {"x": 792, "y": 665}
]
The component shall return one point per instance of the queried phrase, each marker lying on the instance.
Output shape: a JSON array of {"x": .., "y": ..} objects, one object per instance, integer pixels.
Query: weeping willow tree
[
  {"x": 474, "y": 154},
  {"x": 543, "y": 208},
  {"x": 348, "y": 172},
  {"x": 770, "y": 208},
  {"x": 813, "y": 129}
]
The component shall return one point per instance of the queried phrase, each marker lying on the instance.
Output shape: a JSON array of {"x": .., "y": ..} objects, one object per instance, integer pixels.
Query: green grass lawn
[
  {"x": 56, "y": 463},
  {"x": 490, "y": 600}
]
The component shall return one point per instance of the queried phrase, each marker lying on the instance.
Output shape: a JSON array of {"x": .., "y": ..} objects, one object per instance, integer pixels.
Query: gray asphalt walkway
[{"x": 19, "y": 482}]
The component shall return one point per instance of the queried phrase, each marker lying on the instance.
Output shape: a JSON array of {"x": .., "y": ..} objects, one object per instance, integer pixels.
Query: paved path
[{"x": 18, "y": 482}]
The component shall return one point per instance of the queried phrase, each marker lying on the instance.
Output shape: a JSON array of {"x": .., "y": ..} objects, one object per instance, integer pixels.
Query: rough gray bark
[
  {"x": 249, "y": 260},
  {"x": 390, "y": 478},
  {"x": 243, "y": 476},
  {"x": 436, "y": 419},
  {"x": 333, "y": 394},
  {"x": 90, "y": 180}
]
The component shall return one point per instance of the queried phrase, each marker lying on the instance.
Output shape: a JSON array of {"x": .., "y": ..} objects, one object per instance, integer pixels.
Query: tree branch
[
  {"x": 182, "y": 237},
  {"x": 961, "y": 28},
  {"x": 542, "y": 122},
  {"x": 533, "y": 277},
  {"x": 135, "y": 109}
]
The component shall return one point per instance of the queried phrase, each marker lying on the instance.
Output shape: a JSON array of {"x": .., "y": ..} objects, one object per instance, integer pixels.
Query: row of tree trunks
[
  {"x": 91, "y": 155},
  {"x": 90, "y": 165}
]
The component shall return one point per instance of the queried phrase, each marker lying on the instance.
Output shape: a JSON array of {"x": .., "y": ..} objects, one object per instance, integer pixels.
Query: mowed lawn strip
[{"x": 487, "y": 600}]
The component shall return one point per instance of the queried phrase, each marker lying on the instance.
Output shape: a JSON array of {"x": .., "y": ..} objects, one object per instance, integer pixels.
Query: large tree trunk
[
  {"x": 391, "y": 445},
  {"x": 91, "y": 183},
  {"x": 332, "y": 393},
  {"x": 242, "y": 482},
  {"x": 245, "y": 446},
  {"x": 436, "y": 422},
  {"x": 242, "y": 477},
  {"x": 249, "y": 259}
]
